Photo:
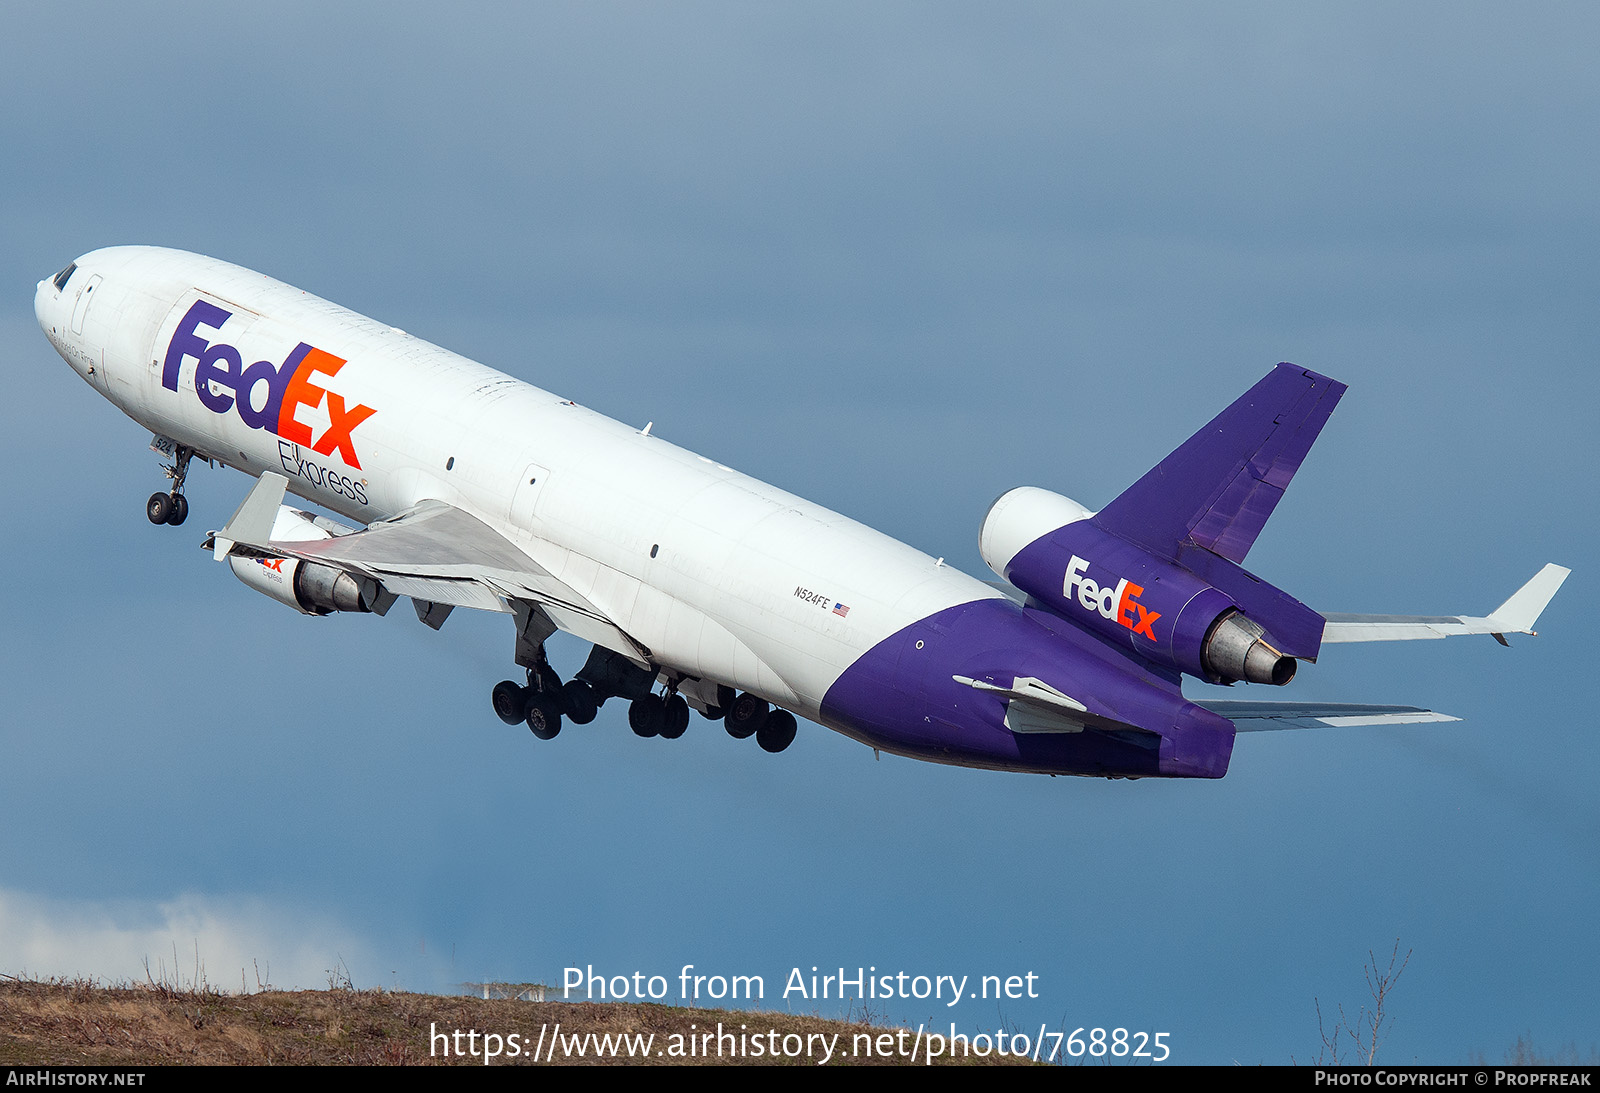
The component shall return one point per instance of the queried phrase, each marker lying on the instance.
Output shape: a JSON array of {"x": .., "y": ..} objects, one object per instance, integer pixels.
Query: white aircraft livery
[{"x": 700, "y": 588}]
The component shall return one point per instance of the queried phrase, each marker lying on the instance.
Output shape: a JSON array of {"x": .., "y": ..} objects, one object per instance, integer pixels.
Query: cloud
[{"x": 189, "y": 940}]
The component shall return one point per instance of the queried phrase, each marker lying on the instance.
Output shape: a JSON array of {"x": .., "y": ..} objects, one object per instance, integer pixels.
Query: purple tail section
[
  {"x": 1217, "y": 490},
  {"x": 905, "y": 695},
  {"x": 1204, "y": 504}
]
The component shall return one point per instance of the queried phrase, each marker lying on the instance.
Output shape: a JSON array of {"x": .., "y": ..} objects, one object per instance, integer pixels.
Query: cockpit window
[{"x": 64, "y": 276}]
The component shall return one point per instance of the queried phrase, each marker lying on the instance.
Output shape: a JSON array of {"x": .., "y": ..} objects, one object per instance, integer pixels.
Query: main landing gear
[
  {"x": 666, "y": 716},
  {"x": 545, "y": 700},
  {"x": 745, "y": 716},
  {"x": 173, "y": 507},
  {"x": 749, "y": 716}
]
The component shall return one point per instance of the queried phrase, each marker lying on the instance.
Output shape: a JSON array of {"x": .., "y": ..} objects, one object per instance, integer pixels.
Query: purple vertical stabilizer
[{"x": 1218, "y": 488}]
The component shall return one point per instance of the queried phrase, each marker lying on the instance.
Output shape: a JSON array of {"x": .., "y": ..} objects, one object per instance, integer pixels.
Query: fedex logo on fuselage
[
  {"x": 289, "y": 385},
  {"x": 1120, "y": 604}
]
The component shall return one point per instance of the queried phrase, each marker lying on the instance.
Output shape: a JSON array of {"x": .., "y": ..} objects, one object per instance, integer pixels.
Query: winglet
[
  {"x": 252, "y": 522},
  {"x": 1518, "y": 614}
]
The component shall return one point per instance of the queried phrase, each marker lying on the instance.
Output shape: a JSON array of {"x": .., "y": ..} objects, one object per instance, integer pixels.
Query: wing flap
[{"x": 453, "y": 592}]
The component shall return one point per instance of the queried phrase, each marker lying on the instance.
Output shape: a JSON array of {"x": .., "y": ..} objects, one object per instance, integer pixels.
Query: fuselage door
[
  {"x": 81, "y": 308},
  {"x": 525, "y": 501}
]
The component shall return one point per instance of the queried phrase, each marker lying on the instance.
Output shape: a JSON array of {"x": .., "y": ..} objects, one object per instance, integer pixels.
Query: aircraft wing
[
  {"x": 1516, "y": 616},
  {"x": 1266, "y": 716},
  {"x": 433, "y": 552}
]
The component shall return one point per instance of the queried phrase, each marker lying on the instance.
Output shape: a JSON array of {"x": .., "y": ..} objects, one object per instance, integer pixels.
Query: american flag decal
[{"x": 841, "y": 610}]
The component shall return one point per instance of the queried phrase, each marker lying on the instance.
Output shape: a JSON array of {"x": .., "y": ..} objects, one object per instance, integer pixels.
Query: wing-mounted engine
[
  {"x": 1050, "y": 547},
  {"x": 309, "y": 587}
]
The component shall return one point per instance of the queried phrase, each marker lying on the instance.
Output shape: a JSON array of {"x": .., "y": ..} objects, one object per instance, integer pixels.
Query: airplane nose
[
  {"x": 43, "y": 297},
  {"x": 48, "y": 299}
]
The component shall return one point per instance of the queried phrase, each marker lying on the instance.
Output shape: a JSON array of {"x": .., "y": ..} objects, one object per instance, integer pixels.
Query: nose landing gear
[{"x": 172, "y": 508}]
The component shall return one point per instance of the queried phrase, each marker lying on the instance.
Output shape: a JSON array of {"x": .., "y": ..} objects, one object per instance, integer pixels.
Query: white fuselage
[{"x": 724, "y": 578}]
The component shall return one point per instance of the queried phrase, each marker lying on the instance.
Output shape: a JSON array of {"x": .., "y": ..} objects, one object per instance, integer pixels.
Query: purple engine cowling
[{"x": 1102, "y": 582}]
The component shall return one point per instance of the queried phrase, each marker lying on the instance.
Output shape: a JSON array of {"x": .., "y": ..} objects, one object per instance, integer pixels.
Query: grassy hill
[{"x": 83, "y": 1024}]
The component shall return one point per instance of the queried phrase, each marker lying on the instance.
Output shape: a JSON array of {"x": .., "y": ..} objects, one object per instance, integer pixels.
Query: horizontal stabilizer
[
  {"x": 1516, "y": 616},
  {"x": 1220, "y": 486},
  {"x": 1268, "y": 716}
]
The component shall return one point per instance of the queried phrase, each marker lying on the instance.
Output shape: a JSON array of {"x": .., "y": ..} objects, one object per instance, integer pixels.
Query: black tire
[
  {"x": 745, "y": 716},
  {"x": 159, "y": 508},
  {"x": 180, "y": 510},
  {"x": 510, "y": 704},
  {"x": 647, "y": 715},
  {"x": 676, "y": 719},
  {"x": 581, "y": 702},
  {"x": 543, "y": 719},
  {"x": 725, "y": 697},
  {"x": 777, "y": 731}
]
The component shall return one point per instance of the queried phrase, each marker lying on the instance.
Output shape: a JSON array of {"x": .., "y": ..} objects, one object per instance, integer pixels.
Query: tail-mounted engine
[
  {"x": 1049, "y": 547},
  {"x": 309, "y": 587}
]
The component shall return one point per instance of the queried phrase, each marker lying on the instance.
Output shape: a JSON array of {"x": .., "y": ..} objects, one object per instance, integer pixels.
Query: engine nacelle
[
  {"x": 1020, "y": 516},
  {"x": 1047, "y": 546},
  {"x": 309, "y": 587}
]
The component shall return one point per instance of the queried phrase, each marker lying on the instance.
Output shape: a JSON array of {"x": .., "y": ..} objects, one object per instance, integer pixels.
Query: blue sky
[{"x": 897, "y": 260}]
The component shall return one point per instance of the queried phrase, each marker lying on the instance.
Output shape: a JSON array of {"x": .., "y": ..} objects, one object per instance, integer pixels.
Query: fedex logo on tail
[
  {"x": 289, "y": 386},
  {"x": 1120, "y": 604}
]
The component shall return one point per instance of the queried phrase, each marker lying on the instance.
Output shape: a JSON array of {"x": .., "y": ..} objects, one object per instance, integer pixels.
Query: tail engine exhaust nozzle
[{"x": 1237, "y": 649}]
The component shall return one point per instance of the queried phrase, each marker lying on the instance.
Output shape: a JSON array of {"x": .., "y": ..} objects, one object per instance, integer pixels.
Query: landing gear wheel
[
  {"x": 647, "y": 715},
  {"x": 510, "y": 703},
  {"x": 159, "y": 508},
  {"x": 580, "y": 701},
  {"x": 777, "y": 731},
  {"x": 745, "y": 716},
  {"x": 543, "y": 719},
  {"x": 172, "y": 508},
  {"x": 725, "y": 697},
  {"x": 676, "y": 719}
]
